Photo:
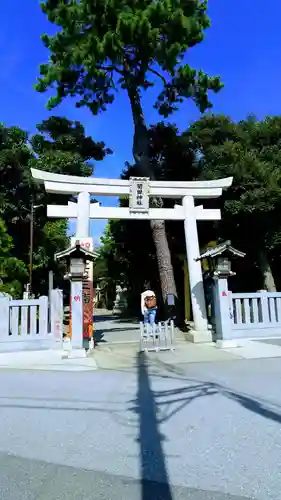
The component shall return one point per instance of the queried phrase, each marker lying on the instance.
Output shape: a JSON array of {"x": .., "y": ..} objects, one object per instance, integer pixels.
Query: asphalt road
[{"x": 204, "y": 432}]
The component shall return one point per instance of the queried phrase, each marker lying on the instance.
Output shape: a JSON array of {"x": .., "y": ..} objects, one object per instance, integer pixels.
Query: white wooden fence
[
  {"x": 157, "y": 337},
  {"x": 24, "y": 324},
  {"x": 255, "y": 314}
]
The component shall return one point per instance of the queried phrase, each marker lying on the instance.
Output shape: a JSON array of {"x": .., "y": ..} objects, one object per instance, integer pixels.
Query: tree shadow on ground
[
  {"x": 99, "y": 337},
  {"x": 156, "y": 407},
  {"x": 254, "y": 406},
  {"x": 196, "y": 388},
  {"x": 104, "y": 335},
  {"x": 118, "y": 329},
  {"x": 152, "y": 408},
  {"x": 120, "y": 319},
  {"x": 102, "y": 318},
  {"x": 109, "y": 316}
]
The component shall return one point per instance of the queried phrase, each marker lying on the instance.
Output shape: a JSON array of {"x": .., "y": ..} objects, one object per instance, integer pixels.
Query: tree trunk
[
  {"x": 166, "y": 271},
  {"x": 265, "y": 267},
  {"x": 141, "y": 155}
]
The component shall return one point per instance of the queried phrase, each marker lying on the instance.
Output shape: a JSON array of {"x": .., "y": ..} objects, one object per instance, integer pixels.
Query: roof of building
[
  {"x": 220, "y": 249},
  {"x": 70, "y": 252}
]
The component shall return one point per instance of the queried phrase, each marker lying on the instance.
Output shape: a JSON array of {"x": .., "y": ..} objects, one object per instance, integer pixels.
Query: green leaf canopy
[{"x": 103, "y": 44}]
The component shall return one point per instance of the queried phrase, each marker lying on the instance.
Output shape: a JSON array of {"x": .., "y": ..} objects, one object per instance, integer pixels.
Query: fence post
[
  {"x": 43, "y": 316},
  {"x": 4, "y": 319},
  {"x": 264, "y": 307},
  {"x": 172, "y": 326},
  {"x": 56, "y": 313}
]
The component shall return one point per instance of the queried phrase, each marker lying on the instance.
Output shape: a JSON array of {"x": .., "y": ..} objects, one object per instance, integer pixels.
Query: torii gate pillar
[{"x": 201, "y": 332}]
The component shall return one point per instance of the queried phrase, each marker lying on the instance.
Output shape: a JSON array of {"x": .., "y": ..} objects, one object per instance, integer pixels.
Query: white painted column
[
  {"x": 77, "y": 315},
  {"x": 83, "y": 215},
  {"x": 4, "y": 319},
  {"x": 56, "y": 316},
  {"x": 195, "y": 271},
  {"x": 222, "y": 310}
]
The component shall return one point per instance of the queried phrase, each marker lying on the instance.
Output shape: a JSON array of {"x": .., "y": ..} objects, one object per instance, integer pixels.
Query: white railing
[
  {"x": 157, "y": 337},
  {"x": 23, "y": 321},
  {"x": 255, "y": 310}
]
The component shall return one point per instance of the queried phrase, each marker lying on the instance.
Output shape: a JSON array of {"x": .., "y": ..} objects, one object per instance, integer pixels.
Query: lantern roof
[
  {"x": 76, "y": 252},
  {"x": 222, "y": 248}
]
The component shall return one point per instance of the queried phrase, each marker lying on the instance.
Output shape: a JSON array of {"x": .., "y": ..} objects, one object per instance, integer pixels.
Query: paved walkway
[
  {"x": 118, "y": 345},
  {"x": 204, "y": 431},
  {"x": 109, "y": 329}
]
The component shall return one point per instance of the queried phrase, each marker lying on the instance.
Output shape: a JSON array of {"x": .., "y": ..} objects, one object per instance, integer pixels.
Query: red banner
[{"x": 88, "y": 297}]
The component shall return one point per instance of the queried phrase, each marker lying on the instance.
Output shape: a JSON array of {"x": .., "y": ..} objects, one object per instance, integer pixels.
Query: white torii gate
[{"x": 139, "y": 190}]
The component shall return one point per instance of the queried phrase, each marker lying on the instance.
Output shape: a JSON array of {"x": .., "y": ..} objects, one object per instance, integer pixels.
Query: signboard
[
  {"x": 171, "y": 299},
  {"x": 139, "y": 194},
  {"x": 88, "y": 304},
  {"x": 56, "y": 306}
]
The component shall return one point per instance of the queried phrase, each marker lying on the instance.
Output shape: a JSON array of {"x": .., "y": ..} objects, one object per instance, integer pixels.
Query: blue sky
[{"x": 243, "y": 46}]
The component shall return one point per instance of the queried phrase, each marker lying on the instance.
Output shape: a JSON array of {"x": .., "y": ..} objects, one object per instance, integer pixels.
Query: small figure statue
[{"x": 148, "y": 306}]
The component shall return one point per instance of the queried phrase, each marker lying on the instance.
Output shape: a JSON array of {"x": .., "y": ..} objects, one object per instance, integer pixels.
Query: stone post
[
  {"x": 77, "y": 316},
  {"x": 222, "y": 310}
]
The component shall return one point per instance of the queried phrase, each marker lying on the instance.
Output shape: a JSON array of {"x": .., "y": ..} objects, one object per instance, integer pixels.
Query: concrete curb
[
  {"x": 123, "y": 356},
  {"x": 46, "y": 360}
]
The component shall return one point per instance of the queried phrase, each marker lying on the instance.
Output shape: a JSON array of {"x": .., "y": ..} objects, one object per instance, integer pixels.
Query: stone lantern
[
  {"x": 76, "y": 258},
  {"x": 219, "y": 263}
]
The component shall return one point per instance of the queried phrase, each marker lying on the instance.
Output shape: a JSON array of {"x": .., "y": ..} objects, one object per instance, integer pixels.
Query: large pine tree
[{"x": 104, "y": 45}]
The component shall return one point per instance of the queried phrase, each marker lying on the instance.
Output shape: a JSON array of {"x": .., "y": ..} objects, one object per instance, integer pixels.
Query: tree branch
[
  {"x": 109, "y": 68},
  {"x": 158, "y": 74}
]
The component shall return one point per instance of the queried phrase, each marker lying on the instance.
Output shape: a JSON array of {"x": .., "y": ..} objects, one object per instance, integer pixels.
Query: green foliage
[
  {"x": 211, "y": 148},
  {"x": 12, "y": 270},
  {"x": 59, "y": 146},
  {"x": 250, "y": 152},
  {"x": 103, "y": 46},
  {"x": 15, "y": 178},
  {"x": 63, "y": 146},
  {"x": 107, "y": 44}
]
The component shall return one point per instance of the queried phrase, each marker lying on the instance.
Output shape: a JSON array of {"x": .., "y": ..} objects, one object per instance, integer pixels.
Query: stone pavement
[
  {"x": 118, "y": 345},
  {"x": 109, "y": 329},
  {"x": 112, "y": 357},
  {"x": 200, "y": 431},
  {"x": 123, "y": 357}
]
